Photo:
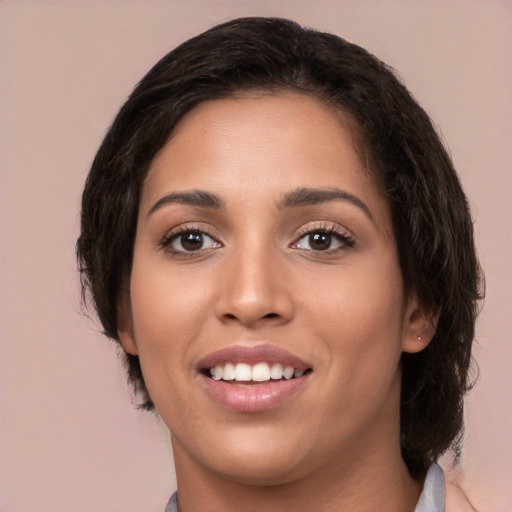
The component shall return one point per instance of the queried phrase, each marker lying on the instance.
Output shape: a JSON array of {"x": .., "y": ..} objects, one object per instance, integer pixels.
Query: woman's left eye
[
  {"x": 189, "y": 241},
  {"x": 323, "y": 240}
]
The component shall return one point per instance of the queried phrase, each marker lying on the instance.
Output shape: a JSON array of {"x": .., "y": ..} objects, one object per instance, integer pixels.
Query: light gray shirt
[{"x": 431, "y": 498}]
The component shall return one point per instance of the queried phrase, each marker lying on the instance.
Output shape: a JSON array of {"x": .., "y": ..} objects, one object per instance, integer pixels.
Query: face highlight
[{"x": 267, "y": 302}]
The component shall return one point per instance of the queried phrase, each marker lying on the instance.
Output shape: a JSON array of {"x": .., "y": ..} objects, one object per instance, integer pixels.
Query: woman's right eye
[{"x": 189, "y": 241}]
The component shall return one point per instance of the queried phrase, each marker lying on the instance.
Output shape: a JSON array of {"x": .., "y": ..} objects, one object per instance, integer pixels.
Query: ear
[
  {"x": 125, "y": 326},
  {"x": 419, "y": 326}
]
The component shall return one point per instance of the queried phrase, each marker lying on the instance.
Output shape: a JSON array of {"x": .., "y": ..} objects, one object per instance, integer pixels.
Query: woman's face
[{"x": 265, "y": 250}]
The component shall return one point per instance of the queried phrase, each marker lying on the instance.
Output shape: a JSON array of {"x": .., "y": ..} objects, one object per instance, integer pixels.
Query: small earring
[{"x": 419, "y": 338}]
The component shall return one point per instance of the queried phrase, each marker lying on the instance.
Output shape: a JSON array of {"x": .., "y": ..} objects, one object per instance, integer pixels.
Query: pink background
[{"x": 70, "y": 441}]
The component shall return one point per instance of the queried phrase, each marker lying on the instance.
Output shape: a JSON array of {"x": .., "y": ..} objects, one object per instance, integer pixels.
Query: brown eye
[
  {"x": 190, "y": 241},
  {"x": 319, "y": 241},
  {"x": 323, "y": 240}
]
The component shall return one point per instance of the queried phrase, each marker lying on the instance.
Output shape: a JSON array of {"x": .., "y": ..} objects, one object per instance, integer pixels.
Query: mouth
[
  {"x": 253, "y": 379},
  {"x": 262, "y": 372}
]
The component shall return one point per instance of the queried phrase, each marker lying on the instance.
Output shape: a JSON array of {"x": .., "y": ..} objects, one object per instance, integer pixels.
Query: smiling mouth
[
  {"x": 262, "y": 372},
  {"x": 254, "y": 379}
]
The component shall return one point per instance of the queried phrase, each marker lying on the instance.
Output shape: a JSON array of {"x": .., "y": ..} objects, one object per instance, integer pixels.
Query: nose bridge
[{"x": 255, "y": 286}]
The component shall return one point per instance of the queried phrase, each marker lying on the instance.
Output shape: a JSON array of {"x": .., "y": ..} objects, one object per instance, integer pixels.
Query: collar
[{"x": 432, "y": 496}]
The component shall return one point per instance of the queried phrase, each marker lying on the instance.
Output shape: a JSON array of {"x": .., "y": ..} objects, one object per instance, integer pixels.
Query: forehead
[{"x": 264, "y": 144}]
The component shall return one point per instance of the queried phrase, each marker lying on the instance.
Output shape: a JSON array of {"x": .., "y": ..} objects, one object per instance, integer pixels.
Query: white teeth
[
  {"x": 229, "y": 372},
  {"x": 217, "y": 372},
  {"x": 288, "y": 372},
  {"x": 276, "y": 372},
  {"x": 243, "y": 371},
  {"x": 260, "y": 372}
]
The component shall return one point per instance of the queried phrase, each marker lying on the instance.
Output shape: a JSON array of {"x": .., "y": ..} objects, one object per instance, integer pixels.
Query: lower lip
[{"x": 254, "y": 397}]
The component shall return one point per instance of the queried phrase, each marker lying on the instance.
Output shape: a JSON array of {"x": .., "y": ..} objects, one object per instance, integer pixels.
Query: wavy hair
[{"x": 398, "y": 144}]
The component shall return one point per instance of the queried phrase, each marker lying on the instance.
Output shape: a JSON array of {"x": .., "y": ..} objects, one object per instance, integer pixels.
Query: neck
[{"x": 379, "y": 481}]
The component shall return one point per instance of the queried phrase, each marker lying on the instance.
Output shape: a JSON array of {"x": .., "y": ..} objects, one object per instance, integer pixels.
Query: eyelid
[
  {"x": 345, "y": 239},
  {"x": 171, "y": 235},
  {"x": 344, "y": 236}
]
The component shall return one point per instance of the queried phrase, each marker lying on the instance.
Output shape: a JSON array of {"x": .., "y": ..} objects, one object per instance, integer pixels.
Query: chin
[
  {"x": 252, "y": 458},
  {"x": 268, "y": 471}
]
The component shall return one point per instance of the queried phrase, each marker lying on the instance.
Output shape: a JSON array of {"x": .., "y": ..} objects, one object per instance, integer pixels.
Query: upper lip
[{"x": 252, "y": 355}]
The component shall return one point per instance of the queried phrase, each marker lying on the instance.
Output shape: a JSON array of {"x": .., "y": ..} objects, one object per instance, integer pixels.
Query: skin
[
  {"x": 258, "y": 279},
  {"x": 456, "y": 499}
]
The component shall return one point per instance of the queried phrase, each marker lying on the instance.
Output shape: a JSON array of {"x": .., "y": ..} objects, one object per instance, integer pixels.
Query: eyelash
[
  {"x": 344, "y": 239},
  {"x": 175, "y": 234}
]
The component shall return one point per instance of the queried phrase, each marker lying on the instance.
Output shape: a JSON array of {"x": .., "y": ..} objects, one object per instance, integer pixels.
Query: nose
[{"x": 255, "y": 290}]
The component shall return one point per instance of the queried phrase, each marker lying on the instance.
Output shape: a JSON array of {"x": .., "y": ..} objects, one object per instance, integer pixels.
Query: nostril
[{"x": 231, "y": 316}]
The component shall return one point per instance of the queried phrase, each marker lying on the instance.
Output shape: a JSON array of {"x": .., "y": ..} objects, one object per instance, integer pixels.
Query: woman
[{"x": 276, "y": 236}]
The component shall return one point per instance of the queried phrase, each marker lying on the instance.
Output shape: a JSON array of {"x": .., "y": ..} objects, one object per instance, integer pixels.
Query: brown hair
[{"x": 432, "y": 222}]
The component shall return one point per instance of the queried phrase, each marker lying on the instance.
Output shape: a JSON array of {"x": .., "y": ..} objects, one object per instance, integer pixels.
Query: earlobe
[
  {"x": 419, "y": 326},
  {"x": 125, "y": 327}
]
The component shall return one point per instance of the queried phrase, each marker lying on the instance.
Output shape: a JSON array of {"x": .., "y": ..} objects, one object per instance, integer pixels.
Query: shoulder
[{"x": 456, "y": 500}]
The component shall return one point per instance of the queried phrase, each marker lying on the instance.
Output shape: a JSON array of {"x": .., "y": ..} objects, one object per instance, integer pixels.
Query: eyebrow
[
  {"x": 192, "y": 197},
  {"x": 293, "y": 199},
  {"x": 312, "y": 196}
]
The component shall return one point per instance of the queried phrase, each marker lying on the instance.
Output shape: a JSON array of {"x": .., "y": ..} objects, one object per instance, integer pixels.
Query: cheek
[
  {"x": 358, "y": 317},
  {"x": 161, "y": 298},
  {"x": 166, "y": 315},
  {"x": 167, "y": 309},
  {"x": 357, "y": 298}
]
